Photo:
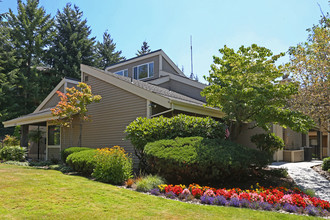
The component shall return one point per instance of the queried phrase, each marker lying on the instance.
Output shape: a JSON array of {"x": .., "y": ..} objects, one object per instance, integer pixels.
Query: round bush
[
  {"x": 326, "y": 163},
  {"x": 113, "y": 165},
  {"x": 83, "y": 161},
  {"x": 202, "y": 160},
  {"x": 15, "y": 153},
  {"x": 268, "y": 142},
  {"x": 66, "y": 152}
]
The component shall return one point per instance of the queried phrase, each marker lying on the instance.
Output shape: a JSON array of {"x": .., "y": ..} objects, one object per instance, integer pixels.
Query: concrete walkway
[{"x": 305, "y": 177}]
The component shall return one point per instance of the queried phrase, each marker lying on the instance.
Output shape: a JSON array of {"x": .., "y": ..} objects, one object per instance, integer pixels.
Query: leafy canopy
[
  {"x": 246, "y": 86},
  {"x": 74, "y": 102},
  {"x": 310, "y": 66}
]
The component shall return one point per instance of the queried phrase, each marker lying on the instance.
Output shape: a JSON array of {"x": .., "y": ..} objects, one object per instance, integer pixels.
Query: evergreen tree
[
  {"x": 72, "y": 45},
  {"x": 144, "y": 49},
  {"x": 106, "y": 53},
  {"x": 31, "y": 32}
]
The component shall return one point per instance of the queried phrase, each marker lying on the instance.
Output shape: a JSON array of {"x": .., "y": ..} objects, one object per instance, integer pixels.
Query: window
[
  {"x": 54, "y": 137},
  {"x": 143, "y": 71},
  {"x": 122, "y": 72}
]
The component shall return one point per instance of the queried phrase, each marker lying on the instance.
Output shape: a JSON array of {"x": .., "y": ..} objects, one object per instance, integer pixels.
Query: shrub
[
  {"x": 113, "y": 165},
  {"x": 15, "y": 153},
  {"x": 144, "y": 130},
  {"x": 17, "y": 163},
  {"x": 83, "y": 161},
  {"x": 40, "y": 163},
  {"x": 10, "y": 140},
  {"x": 326, "y": 163},
  {"x": 148, "y": 183},
  {"x": 66, "y": 152},
  {"x": 198, "y": 159},
  {"x": 267, "y": 142}
]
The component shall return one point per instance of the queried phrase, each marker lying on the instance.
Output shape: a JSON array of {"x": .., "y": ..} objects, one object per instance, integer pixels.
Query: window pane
[
  {"x": 151, "y": 69},
  {"x": 135, "y": 73},
  {"x": 143, "y": 71},
  {"x": 126, "y": 73},
  {"x": 119, "y": 72},
  {"x": 54, "y": 135}
]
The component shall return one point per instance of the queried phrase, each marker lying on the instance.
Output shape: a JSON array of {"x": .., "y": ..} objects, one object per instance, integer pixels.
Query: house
[{"x": 145, "y": 86}]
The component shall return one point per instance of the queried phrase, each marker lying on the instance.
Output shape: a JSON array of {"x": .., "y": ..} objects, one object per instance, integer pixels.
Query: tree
[
  {"x": 74, "y": 103},
  {"x": 310, "y": 67},
  {"x": 72, "y": 45},
  {"x": 106, "y": 53},
  {"x": 245, "y": 85},
  {"x": 144, "y": 49}
]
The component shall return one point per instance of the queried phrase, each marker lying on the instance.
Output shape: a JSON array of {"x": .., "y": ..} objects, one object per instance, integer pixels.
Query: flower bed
[{"x": 273, "y": 198}]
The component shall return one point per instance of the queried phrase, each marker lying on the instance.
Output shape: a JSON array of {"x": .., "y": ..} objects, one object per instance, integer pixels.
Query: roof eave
[
  {"x": 47, "y": 116},
  {"x": 198, "y": 109}
]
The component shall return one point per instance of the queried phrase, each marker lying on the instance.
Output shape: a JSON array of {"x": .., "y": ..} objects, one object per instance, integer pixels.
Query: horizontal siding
[
  {"x": 53, "y": 100},
  {"x": 110, "y": 117}
]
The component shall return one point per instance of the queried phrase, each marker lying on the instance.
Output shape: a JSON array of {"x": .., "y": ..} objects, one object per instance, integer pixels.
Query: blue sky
[{"x": 168, "y": 24}]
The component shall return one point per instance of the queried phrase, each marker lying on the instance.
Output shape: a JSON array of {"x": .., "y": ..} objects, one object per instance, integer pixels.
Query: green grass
[{"x": 28, "y": 193}]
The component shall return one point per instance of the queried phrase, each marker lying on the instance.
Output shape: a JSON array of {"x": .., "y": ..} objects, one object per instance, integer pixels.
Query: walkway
[{"x": 306, "y": 177}]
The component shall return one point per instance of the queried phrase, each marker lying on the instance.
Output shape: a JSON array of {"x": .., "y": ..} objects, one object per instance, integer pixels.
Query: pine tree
[
  {"x": 144, "y": 49},
  {"x": 31, "y": 32},
  {"x": 106, "y": 53},
  {"x": 72, "y": 45}
]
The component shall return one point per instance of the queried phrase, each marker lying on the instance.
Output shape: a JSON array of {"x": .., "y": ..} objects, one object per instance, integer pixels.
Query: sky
[{"x": 168, "y": 25}]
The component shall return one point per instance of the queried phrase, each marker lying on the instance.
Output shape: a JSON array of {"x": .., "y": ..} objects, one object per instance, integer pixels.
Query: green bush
[
  {"x": 83, "y": 161},
  {"x": 66, "y": 152},
  {"x": 10, "y": 140},
  {"x": 113, "y": 165},
  {"x": 145, "y": 130},
  {"x": 17, "y": 163},
  {"x": 202, "y": 160},
  {"x": 268, "y": 142},
  {"x": 326, "y": 163},
  {"x": 146, "y": 184},
  {"x": 15, "y": 153}
]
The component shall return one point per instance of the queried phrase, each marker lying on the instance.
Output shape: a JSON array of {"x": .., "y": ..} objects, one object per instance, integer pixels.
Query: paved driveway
[{"x": 306, "y": 177}]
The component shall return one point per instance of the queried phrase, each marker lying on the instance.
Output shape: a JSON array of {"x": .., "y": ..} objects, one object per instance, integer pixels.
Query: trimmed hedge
[
  {"x": 15, "y": 153},
  {"x": 66, "y": 152},
  {"x": 83, "y": 161},
  {"x": 145, "y": 130},
  {"x": 326, "y": 164},
  {"x": 202, "y": 160}
]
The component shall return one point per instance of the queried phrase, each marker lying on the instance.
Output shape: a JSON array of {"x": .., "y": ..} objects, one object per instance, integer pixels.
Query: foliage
[
  {"x": 268, "y": 142},
  {"x": 326, "y": 163},
  {"x": 113, "y": 165},
  {"x": 246, "y": 86},
  {"x": 43, "y": 163},
  {"x": 74, "y": 102},
  {"x": 197, "y": 159},
  {"x": 144, "y": 130},
  {"x": 10, "y": 140},
  {"x": 83, "y": 161},
  {"x": 66, "y": 152},
  {"x": 72, "y": 45},
  {"x": 144, "y": 49},
  {"x": 309, "y": 64},
  {"x": 147, "y": 183},
  {"x": 17, "y": 163},
  {"x": 15, "y": 153},
  {"x": 106, "y": 53}
]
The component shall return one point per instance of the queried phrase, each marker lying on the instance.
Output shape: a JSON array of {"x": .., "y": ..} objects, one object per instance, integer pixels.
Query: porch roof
[{"x": 33, "y": 118}]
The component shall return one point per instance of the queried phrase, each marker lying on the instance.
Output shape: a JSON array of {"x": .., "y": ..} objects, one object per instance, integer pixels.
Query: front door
[{"x": 53, "y": 147}]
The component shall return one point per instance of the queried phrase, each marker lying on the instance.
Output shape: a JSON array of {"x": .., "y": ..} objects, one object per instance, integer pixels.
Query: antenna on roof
[{"x": 191, "y": 54}]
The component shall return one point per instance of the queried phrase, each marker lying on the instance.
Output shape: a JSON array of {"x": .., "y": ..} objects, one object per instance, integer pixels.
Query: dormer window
[
  {"x": 122, "y": 72},
  {"x": 144, "y": 71}
]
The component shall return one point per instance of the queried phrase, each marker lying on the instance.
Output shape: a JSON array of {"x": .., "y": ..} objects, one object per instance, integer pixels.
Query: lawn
[{"x": 34, "y": 193}]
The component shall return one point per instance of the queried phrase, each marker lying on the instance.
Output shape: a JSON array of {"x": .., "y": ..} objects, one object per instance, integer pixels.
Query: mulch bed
[{"x": 318, "y": 169}]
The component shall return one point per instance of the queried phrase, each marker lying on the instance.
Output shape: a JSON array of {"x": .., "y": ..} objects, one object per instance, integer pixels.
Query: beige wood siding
[
  {"x": 130, "y": 66},
  {"x": 184, "y": 89},
  {"x": 52, "y": 102},
  {"x": 246, "y": 133},
  {"x": 110, "y": 117},
  {"x": 167, "y": 67}
]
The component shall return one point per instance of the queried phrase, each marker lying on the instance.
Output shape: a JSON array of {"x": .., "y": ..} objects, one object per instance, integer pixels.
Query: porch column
[{"x": 24, "y": 135}]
